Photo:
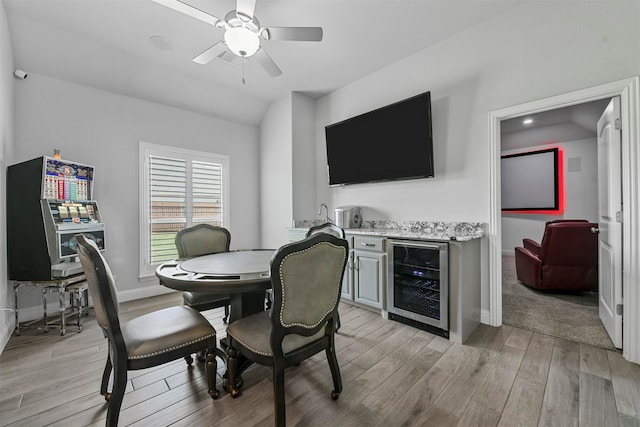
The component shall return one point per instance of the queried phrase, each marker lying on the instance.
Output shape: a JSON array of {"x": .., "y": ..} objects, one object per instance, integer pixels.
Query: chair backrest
[
  {"x": 202, "y": 239},
  {"x": 327, "y": 227},
  {"x": 306, "y": 277},
  {"x": 570, "y": 243},
  {"x": 558, "y": 221},
  {"x": 101, "y": 283}
]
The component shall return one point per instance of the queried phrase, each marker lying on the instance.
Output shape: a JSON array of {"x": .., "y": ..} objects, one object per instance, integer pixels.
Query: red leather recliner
[{"x": 566, "y": 259}]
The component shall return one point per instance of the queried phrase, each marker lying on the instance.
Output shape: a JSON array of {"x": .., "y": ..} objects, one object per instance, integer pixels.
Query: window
[{"x": 179, "y": 188}]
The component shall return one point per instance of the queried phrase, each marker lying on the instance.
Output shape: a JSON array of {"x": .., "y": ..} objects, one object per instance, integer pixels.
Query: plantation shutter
[
  {"x": 167, "y": 205},
  {"x": 182, "y": 192},
  {"x": 207, "y": 193}
]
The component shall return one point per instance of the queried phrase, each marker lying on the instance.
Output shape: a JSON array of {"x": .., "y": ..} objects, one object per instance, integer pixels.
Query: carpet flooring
[{"x": 572, "y": 316}]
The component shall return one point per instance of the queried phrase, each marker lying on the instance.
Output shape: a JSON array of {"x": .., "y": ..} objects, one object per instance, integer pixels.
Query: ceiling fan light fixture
[{"x": 242, "y": 41}]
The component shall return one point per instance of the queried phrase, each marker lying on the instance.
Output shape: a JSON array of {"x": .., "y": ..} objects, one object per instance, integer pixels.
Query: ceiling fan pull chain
[{"x": 243, "y": 62}]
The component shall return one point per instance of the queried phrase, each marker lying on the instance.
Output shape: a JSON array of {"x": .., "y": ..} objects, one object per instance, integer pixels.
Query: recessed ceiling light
[
  {"x": 161, "y": 42},
  {"x": 527, "y": 121}
]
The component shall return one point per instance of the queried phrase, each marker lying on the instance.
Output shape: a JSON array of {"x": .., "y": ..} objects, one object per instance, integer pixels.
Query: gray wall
[
  {"x": 287, "y": 166},
  {"x": 533, "y": 51},
  {"x": 276, "y": 182},
  {"x": 7, "y": 142},
  {"x": 104, "y": 129},
  {"x": 581, "y": 195},
  {"x": 303, "y": 156}
]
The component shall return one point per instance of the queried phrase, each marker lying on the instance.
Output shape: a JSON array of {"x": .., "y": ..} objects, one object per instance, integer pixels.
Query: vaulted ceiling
[{"x": 108, "y": 44}]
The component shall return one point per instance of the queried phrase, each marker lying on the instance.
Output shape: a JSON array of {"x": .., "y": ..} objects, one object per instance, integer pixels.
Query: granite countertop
[{"x": 421, "y": 230}]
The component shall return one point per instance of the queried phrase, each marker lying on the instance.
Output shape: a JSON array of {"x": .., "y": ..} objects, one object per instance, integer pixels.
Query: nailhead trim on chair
[
  {"x": 155, "y": 353},
  {"x": 282, "y": 281},
  {"x": 261, "y": 353}
]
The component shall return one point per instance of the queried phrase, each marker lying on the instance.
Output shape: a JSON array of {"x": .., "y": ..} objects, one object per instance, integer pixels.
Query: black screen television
[{"x": 391, "y": 143}]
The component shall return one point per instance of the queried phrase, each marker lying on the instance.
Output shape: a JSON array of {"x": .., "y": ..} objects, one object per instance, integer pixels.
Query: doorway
[
  {"x": 628, "y": 90},
  {"x": 573, "y": 131}
]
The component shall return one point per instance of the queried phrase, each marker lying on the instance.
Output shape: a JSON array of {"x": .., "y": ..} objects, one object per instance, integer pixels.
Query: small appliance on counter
[{"x": 348, "y": 216}]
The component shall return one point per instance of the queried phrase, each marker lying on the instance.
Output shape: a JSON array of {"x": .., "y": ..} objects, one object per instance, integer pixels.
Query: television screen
[
  {"x": 531, "y": 181},
  {"x": 390, "y": 143}
]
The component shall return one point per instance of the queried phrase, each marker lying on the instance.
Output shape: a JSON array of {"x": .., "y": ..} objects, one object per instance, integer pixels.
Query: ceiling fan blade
[
  {"x": 304, "y": 34},
  {"x": 245, "y": 9},
  {"x": 267, "y": 63},
  {"x": 211, "y": 53},
  {"x": 182, "y": 7}
]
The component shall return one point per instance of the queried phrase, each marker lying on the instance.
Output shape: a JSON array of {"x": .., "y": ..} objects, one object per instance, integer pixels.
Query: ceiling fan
[{"x": 243, "y": 35}]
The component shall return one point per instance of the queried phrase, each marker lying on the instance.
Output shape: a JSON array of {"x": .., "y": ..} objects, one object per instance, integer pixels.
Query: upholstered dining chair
[
  {"x": 203, "y": 239},
  {"x": 305, "y": 278},
  {"x": 327, "y": 227},
  {"x": 145, "y": 341},
  {"x": 330, "y": 228}
]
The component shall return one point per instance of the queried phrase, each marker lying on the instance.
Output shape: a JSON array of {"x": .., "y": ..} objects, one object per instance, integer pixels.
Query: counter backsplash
[{"x": 436, "y": 229}]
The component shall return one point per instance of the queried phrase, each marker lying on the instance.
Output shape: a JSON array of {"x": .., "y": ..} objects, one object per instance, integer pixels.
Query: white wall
[
  {"x": 581, "y": 195},
  {"x": 7, "y": 121},
  {"x": 287, "y": 166},
  {"x": 303, "y": 156},
  {"x": 103, "y": 129},
  {"x": 276, "y": 186},
  {"x": 533, "y": 51}
]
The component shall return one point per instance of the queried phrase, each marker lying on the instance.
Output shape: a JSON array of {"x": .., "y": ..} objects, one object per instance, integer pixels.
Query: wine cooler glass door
[{"x": 418, "y": 282}]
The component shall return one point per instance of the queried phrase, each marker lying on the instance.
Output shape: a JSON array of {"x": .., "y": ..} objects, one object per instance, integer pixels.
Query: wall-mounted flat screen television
[
  {"x": 391, "y": 143},
  {"x": 532, "y": 182}
]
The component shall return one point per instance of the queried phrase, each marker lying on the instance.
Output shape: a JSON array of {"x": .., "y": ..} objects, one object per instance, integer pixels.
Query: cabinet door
[
  {"x": 369, "y": 277},
  {"x": 347, "y": 281}
]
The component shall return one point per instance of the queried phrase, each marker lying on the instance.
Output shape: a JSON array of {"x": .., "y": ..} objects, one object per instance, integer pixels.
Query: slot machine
[{"x": 49, "y": 201}]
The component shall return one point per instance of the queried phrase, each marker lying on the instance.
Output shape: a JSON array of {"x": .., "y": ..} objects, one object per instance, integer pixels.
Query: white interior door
[{"x": 610, "y": 221}]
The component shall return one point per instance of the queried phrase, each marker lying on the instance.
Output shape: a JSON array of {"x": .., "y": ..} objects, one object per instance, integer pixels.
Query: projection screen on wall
[{"x": 530, "y": 181}]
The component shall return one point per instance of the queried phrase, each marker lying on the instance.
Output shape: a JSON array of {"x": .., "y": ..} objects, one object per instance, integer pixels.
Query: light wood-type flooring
[{"x": 393, "y": 375}]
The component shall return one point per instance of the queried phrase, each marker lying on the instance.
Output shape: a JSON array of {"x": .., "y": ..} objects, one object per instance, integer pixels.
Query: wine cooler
[{"x": 418, "y": 288}]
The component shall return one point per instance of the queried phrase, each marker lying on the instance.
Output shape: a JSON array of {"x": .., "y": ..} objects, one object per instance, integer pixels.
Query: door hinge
[
  {"x": 619, "y": 216},
  {"x": 619, "y": 309},
  {"x": 617, "y": 124}
]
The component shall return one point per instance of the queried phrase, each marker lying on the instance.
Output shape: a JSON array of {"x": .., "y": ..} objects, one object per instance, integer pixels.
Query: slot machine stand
[{"x": 78, "y": 290}]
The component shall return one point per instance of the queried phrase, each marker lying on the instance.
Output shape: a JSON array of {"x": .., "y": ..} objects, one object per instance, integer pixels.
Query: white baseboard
[
  {"x": 27, "y": 314},
  {"x": 485, "y": 317},
  {"x": 511, "y": 252},
  {"x": 7, "y": 328},
  {"x": 146, "y": 292}
]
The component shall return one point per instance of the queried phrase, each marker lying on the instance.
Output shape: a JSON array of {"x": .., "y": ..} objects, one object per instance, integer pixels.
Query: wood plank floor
[{"x": 393, "y": 375}]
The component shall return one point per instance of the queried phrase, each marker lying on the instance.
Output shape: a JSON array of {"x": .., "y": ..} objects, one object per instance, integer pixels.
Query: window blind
[{"x": 182, "y": 192}]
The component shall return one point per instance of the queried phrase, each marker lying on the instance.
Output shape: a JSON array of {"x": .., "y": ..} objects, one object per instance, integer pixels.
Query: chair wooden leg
[
  {"x": 211, "y": 367},
  {"x": 335, "y": 370},
  {"x": 269, "y": 298},
  {"x": 189, "y": 359},
  {"x": 105, "y": 379},
  {"x": 232, "y": 371},
  {"x": 278, "y": 396},
  {"x": 226, "y": 314},
  {"x": 117, "y": 394}
]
